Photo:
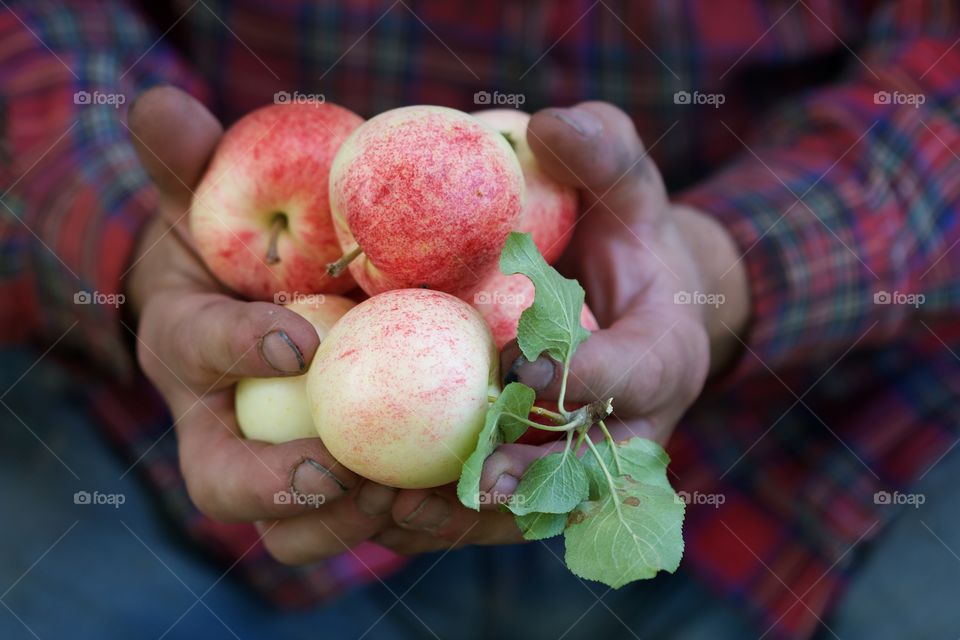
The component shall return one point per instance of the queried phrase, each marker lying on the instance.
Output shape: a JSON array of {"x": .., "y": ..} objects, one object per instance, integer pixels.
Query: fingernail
[
  {"x": 580, "y": 120},
  {"x": 537, "y": 374},
  {"x": 500, "y": 492},
  {"x": 375, "y": 499},
  {"x": 312, "y": 478},
  {"x": 505, "y": 485},
  {"x": 280, "y": 352},
  {"x": 432, "y": 514}
]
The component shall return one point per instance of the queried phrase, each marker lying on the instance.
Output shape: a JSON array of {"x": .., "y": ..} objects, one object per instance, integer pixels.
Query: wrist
[{"x": 723, "y": 274}]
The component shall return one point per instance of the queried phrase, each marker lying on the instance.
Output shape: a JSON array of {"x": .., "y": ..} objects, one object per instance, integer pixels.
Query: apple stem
[
  {"x": 278, "y": 225},
  {"x": 334, "y": 269}
]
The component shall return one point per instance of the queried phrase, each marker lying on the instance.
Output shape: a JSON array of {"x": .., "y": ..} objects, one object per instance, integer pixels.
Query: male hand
[
  {"x": 642, "y": 261},
  {"x": 195, "y": 340}
]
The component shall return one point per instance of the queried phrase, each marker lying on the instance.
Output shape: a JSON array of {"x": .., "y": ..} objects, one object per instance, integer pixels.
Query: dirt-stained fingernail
[
  {"x": 375, "y": 499},
  {"x": 282, "y": 353},
  {"x": 537, "y": 374},
  {"x": 313, "y": 479},
  {"x": 580, "y": 120},
  {"x": 430, "y": 515}
]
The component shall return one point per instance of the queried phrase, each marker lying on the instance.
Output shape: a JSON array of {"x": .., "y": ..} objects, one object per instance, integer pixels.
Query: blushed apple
[
  {"x": 424, "y": 197},
  {"x": 501, "y": 298},
  {"x": 276, "y": 409},
  {"x": 550, "y": 209},
  {"x": 261, "y": 214},
  {"x": 399, "y": 389}
]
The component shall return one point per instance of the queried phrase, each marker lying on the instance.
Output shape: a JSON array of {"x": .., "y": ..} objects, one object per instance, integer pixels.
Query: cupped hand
[
  {"x": 195, "y": 340},
  {"x": 666, "y": 285}
]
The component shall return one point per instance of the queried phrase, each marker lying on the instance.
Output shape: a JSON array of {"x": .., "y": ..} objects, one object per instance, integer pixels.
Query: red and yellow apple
[
  {"x": 399, "y": 388},
  {"x": 550, "y": 208},
  {"x": 423, "y": 197},
  {"x": 500, "y": 299},
  {"x": 276, "y": 409},
  {"x": 261, "y": 213}
]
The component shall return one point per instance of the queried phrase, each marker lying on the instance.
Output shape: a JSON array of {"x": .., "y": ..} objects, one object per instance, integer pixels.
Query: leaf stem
[
  {"x": 606, "y": 473},
  {"x": 566, "y": 448},
  {"x": 563, "y": 386},
  {"x": 584, "y": 417},
  {"x": 546, "y": 413},
  {"x": 540, "y": 411},
  {"x": 537, "y": 425},
  {"x": 613, "y": 447}
]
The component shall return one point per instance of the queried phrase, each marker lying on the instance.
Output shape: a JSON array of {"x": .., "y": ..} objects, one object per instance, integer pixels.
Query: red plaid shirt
[{"x": 831, "y": 160}]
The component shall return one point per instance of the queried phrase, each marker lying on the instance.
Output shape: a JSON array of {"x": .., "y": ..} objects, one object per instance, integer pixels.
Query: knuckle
[
  {"x": 649, "y": 376},
  {"x": 201, "y": 496}
]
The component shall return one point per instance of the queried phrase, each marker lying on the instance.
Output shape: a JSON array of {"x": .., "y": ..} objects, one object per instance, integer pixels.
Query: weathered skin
[
  {"x": 273, "y": 160},
  {"x": 501, "y": 299},
  {"x": 276, "y": 409},
  {"x": 399, "y": 388},
  {"x": 550, "y": 208},
  {"x": 429, "y": 194}
]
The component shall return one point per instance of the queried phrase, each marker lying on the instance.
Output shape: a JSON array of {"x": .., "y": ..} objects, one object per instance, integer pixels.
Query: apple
[
  {"x": 424, "y": 197},
  {"x": 399, "y": 390},
  {"x": 261, "y": 214},
  {"x": 500, "y": 299},
  {"x": 550, "y": 208},
  {"x": 276, "y": 409}
]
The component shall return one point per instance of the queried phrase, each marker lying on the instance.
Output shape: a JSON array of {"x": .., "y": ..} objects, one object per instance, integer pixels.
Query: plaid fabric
[{"x": 838, "y": 185}]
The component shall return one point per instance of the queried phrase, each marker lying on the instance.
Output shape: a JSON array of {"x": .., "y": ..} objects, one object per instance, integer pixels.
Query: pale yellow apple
[
  {"x": 276, "y": 409},
  {"x": 399, "y": 389}
]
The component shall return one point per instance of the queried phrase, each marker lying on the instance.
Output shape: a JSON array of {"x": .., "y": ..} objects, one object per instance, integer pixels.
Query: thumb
[
  {"x": 639, "y": 361},
  {"x": 210, "y": 339},
  {"x": 594, "y": 146},
  {"x": 174, "y": 136}
]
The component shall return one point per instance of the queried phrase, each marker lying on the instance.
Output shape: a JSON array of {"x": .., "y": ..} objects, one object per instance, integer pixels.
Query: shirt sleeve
[
  {"x": 75, "y": 196},
  {"x": 845, "y": 205}
]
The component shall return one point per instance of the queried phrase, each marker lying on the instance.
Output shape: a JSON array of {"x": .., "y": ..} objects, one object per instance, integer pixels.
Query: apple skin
[
  {"x": 500, "y": 299},
  {"x": 273, "y": 160},
  {"x": 550, "y": 209},
  {"x": 399, "y": 389},
  {"x": 429, "y": 194},
  {"x": 276, "y": 409}
]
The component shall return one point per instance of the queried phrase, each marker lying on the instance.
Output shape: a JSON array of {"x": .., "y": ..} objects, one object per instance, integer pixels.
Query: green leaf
[
  {"x": 539, "y": 526},
  {"x": 515, "y": 398},
  {"x": 555, "y": 483},
  {"x": 518, "y": 402},
  {"x": 552, "y": 322},
  {"x": 643, "y": 460},
  {"x": 633, "y": 531}
]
